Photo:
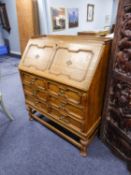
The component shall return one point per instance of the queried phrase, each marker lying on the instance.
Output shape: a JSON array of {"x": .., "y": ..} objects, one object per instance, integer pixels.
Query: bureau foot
[
  {"x": 30, "y": 112},
  {"x": 30, "y": 119},
  {"x": 83, "y": 150}
]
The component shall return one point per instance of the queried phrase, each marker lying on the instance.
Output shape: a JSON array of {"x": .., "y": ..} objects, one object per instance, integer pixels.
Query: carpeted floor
[{"x": 28, "y": 148}]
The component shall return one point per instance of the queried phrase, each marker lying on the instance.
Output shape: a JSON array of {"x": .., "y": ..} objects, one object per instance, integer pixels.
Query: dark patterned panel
[
  {"x": 116, "y": 124},
  {"x": 123, "y": 55},
  {"x": 120, "y": 104}
]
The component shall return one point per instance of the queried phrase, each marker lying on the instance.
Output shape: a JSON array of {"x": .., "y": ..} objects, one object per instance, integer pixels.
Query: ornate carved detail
[
  {"x": 38, "y": 56},
  {"x": 123, "y": 55},
  {"x": 116, "y": 127},
  {"x": 118, "y": 139},
  {"x": 120, "y": 104},
  {"x": 75, "y": 69}
]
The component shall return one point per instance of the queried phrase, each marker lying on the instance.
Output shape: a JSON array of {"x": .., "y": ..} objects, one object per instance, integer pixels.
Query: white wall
[
  {"x": 102, "y": 8},
  {"x": 42, "y": 16},
  {"x": 114, "y": 12},
  {"x": 13, "y": 36}
]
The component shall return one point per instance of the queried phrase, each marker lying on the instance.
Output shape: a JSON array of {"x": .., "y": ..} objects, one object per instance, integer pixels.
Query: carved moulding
[
  {"x": 116, "y": 122},
  {"x": 123, "y": 55},
  {"x": 120, "y": 104}
]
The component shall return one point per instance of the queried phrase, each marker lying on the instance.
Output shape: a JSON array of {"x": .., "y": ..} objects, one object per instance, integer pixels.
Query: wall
[
  {"x": 115, "y": 8},
  {"x": 13, "y": 36},
  {"x": 102, "y": 9},
  {"x": 42, "y": 16}
]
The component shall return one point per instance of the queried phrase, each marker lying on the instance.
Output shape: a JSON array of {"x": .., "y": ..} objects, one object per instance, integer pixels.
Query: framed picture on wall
[
  {"x": 73, "y": 17},
  {"x": 4, "y": 17},
  {"x": 58, "y": 18},
  {"x": 90, "y": 12}
]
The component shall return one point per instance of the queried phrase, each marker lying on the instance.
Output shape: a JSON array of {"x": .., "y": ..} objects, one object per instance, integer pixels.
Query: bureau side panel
[{"x": 96, "y": 91}]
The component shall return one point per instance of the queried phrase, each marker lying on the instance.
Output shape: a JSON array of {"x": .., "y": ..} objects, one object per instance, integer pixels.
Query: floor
[{"x": 28, "y": 148}]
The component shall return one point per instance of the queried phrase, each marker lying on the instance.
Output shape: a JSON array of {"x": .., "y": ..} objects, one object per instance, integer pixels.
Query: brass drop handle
[
  {"x": 64, "y": 118},
  {"x": 35, "y": 92},
  {"x": 37, "y": 102},
  {"x": 42, "y": 88},
  {"x": 62, "y": 105},
  {"x": 61, "y": 93},
  {"x": 32, "y": 81}
]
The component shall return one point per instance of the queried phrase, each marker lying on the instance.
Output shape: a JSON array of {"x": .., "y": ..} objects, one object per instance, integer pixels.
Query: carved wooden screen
[{"x": 116, "y": 125}]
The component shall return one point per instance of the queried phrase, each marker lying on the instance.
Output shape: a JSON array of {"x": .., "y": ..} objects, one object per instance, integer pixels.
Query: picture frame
[
  {"x": 58, "y": 18},
  {"x": 73, "y": 17},
  {"x": 4, "y": 17},
  {"x": 90, "y": 12}
]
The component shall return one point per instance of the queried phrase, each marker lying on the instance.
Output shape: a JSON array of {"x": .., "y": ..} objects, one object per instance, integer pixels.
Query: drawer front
[
  {"x": 72, "y": 110},
  {"x": 63, "y": 92},
  {"x": 33, "y": 80},
  {"x": 61, "y": 102},
  {"x": 27, "y": 78},
  {"x": 66, "y": 119},
  {"x": 28, "y": 89},
  {"x": 36, "y": 93},
  {"x": 59, "y": 115},
  {"x": 41, "y": 105},
  {"x": 66, "y": 93},
  {"x": 30, "y": 100}
]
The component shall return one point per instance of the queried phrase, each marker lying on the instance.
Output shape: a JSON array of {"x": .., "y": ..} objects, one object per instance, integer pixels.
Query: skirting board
[{"x": 15, "y": 54}]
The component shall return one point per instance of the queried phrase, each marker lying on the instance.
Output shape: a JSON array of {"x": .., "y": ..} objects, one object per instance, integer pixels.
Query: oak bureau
[{"x": 63, "y": 79}]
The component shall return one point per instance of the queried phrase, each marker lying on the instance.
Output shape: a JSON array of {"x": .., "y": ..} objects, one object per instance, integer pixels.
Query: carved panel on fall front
[
  {"x": 67, "y": 62},
  {"x": 38, "y": 57},
  {"x": 72, "y": 63}
]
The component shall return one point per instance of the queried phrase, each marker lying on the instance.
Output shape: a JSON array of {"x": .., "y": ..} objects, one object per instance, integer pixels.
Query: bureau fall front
[{"x": 63, "y": 80}]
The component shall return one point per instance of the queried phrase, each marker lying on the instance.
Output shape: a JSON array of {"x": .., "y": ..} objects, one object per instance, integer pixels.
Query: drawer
[
  {"x": 30, "y": 99},
  {"x": 66, "y": 119},
  {"x": 42, "y": 106},
  {"x": 57, "y": 114},
  {"x": 40, "y": 95},
  {"x": 33, "y": 81},
  {"x": 36, "y": 93},
  {"x": 27, "y": 78},
  {"x": 73, "y": 110},
  {"x": 28, "y": 89},
  {"x": 66, "y": 93}
]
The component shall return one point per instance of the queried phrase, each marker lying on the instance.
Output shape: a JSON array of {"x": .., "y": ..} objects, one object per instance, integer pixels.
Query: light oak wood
[
  {"x": 28, "y": 22},
  {"x": 95, "y": 33},
  {"x": 64, "y": 78}
]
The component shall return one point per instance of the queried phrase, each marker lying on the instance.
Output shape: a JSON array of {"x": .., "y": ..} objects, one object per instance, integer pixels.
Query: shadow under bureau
[{"x": 63, "y": 80}]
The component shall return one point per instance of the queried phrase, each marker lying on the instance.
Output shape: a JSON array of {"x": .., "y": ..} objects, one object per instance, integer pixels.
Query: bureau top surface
[{"x": 69, "y": 61}]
